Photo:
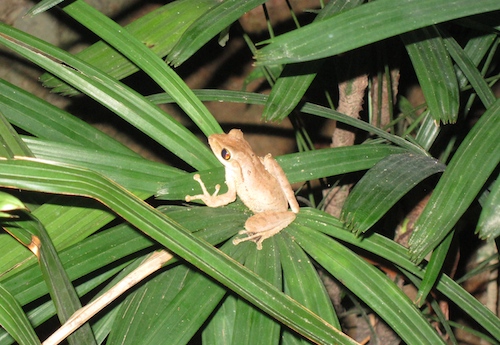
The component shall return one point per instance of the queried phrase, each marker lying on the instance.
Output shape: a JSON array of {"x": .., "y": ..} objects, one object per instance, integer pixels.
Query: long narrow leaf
[
  {"x": 428, "y": 132},
  {"x": 46, "y": 121},
  {"x": 435, "y": 72},
  {"x": 488, "y": 226},
  {"x": 31, "y": 233},
  {"x": 433, "y": 269},
  {"x": 160, "y": 30},
  {"x": 33, "y": 175},
  {"x": 301, "y": 278},
  {"x": 384, "y": 185},
  {"x": 360, "y": 26},
  {"x": 369, "y": 284},
  {"x": 357, "y": 123},
  {"x": 309, "y": 108},
  {"x": 397, "y": 254},
  {"x": 14, "y": 320},
  {"x": 476, "y": 49},
  {"x": 147, "y": 61},
  {"x": 134, "y": 173},
  {"x": 209, "y": 25},
  {"x": 459, "y": 184},
  {"x": 250, "y": 325},
  {"x": 295, "y": 79},
  {"x": 119, "y": 98},
  {"x": 470, "y": 71},
  {"x": 43, "y": 6},
  {"x": 327, "y": 162},
  {"x": 61, "y": 289}
]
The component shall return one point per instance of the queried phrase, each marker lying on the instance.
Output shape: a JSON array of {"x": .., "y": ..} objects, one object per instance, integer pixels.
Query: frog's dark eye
[{"x": 225, "y": 154}]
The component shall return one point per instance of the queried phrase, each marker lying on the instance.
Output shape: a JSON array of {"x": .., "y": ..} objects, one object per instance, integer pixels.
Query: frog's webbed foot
[
  {"x": 206, "y": 194},
  {"x": 262, "y": 226}
]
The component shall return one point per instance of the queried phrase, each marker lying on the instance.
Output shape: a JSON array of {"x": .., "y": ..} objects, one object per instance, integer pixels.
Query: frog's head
[{"x": 230, "y": 148}]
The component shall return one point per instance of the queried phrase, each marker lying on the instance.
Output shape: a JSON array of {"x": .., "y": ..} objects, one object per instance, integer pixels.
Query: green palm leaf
[
  {"x": 359, "y": 27},
  {"x": 33, "y": 175},
  {"x": 459, "y": 184}
]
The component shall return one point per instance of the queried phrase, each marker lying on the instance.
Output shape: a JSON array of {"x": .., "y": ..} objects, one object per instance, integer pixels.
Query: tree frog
[{"x": 259, "y": 182}]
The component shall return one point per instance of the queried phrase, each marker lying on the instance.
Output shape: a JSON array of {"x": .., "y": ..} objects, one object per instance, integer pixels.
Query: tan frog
[{"x": 259, "y": 182}]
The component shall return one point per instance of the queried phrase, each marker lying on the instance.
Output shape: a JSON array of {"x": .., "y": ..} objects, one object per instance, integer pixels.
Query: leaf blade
[
  {"x": 160, "y": 30},
  {"x": 207, "y": 26},
  {"x": 358, "y": 27},
  {"x": 459, "y": 184},
  {"x": 14, "y": 320},
  {"x": 435, "y": 72},
  {"x": 121, "y": 99},
  {"x": 66, "y": 180},
  {"x": 134, "y": 173},
  {"x": 46, "y": 121},
  {"x": 295, "y": 79},
  {"x": 375, "y": 289},
  {"x": 488, "y": 226},
  {"x": 328, "y": 162},
  {"x": 397, "y": 254},
  {"x": 383, "y": 185},
  {"x": 147, "y": 61}
]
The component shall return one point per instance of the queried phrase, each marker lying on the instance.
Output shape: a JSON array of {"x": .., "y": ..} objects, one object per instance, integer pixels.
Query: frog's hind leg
[{"x": 264, "y": 225}]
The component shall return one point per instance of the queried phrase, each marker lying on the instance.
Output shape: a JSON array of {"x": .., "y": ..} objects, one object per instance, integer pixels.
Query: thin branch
[{"x": 151, "y": 265}]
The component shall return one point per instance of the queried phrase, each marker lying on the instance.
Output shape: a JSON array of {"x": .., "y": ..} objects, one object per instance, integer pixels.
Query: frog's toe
[
  {"x": 259, "y": 244},
  {"x": 249, "y": 237},
  {"x": 237, "y": 241},
  {"x": 258, "y": 238}
]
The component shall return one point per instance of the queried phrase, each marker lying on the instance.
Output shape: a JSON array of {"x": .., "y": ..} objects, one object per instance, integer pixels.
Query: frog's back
[{"x": 259, "y": 197}]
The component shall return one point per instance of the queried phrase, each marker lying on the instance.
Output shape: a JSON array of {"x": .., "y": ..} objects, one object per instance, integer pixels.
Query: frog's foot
[
  {"x": 206, "y": 195},
  {"x": 264, "y": 225},
  {"x": 212, "y": 200}
]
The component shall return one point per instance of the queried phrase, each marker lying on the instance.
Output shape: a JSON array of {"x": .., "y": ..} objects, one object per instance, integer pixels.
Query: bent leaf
[{"x": 384, "y": 185}]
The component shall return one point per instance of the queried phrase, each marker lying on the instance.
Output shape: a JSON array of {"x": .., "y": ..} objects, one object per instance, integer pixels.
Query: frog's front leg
[
  {"x": 213, "y": 200},
  {"x": 264, "y": 225}
]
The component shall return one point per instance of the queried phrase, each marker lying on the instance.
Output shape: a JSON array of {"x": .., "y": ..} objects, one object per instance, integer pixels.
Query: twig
[{"x": 80, "y": 317}]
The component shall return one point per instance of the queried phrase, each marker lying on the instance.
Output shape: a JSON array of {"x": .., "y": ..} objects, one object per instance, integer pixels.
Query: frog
[{"x": 259, "y": 182}]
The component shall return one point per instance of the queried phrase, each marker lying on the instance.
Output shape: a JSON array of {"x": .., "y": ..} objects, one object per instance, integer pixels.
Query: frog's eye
[{"x": 225, "y": 154}]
